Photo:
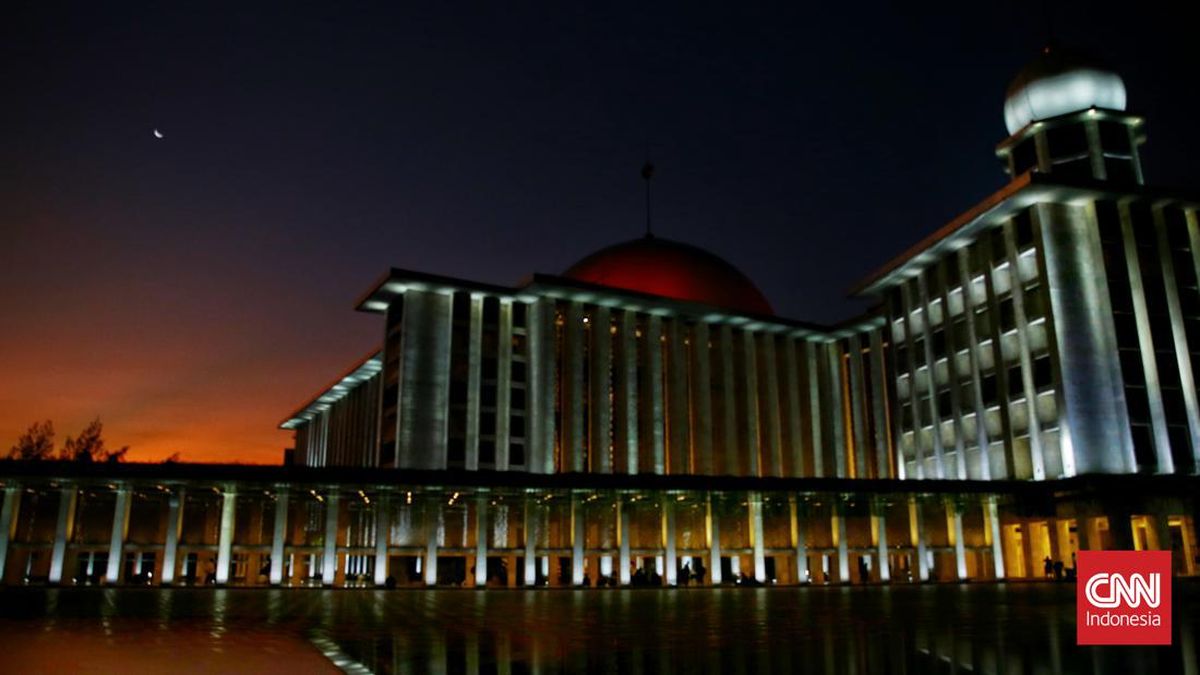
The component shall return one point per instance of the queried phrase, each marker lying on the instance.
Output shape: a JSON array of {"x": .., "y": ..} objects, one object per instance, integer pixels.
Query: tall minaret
[{"x": 1066, "y": 116}]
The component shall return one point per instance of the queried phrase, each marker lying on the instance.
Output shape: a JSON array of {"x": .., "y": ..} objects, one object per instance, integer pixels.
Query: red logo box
[{"x": 1123, "y": 598}]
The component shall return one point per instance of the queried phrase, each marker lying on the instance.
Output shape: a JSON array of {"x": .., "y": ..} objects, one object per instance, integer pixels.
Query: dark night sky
[{"x": 192, "y": 290}]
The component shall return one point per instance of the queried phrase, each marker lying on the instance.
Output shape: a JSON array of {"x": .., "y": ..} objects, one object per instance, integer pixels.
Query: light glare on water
[{"x": 999, "y": 628}]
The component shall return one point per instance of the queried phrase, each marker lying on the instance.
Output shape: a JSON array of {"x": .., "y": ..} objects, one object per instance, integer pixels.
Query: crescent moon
[{"x": 158, "y": 134}]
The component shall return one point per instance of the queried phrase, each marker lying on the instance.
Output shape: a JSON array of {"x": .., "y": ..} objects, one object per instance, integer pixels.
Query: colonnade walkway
[{"x": 208, "y": 524}]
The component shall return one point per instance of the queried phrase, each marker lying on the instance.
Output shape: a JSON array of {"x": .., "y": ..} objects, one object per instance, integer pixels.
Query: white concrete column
[
  {"x": 668, "y": 533},
  {"x": 530, "y": 528},
  {"x": 578, "y": 532},
  {"x": 1189, "y": 383},
  {"x": 957, "y": 378},
  {"x": 916, "y": 386},
  {"x": 433, "y": 523},
  {"x": 772, "y": 434},
  {"x": 504, "y": 386},
  {"x": 1092, "y": 411},
  {"x": 939, "y": 457},
  {"x": 574, "y": 425},
  {"x": 916, "y": 522},
  {"x": 955, "y": 533},
  {"x": 879, "y": 527},
  {"x": 814, "y": 407},
  {"x": 1188, "y": 532},
  {"x": 625, "y": 394},
  {"x": 1161, "y": 524},
  {"x": 1088, "y": 529},
  {"x": 225, "y": 535},
  {"x": 383, "y": 537},
  {"x": 701, "y": 391},
  {"x": 424, "y": 380},
  {"x": 1183, "y": 361},
  {"x": 175, "y": 504},
  {"x": 1062, "y": 538},
  {"x": 751, "y": 437},
  {"x": 329, "y": 555},
  {"x": 8, "y": 519},
  {"x": 858, "y": 409},
  {"x": 540, "y": 387},
  {"x": 599, "y": 379},
  {"x": 278, "y": 537},
  {"x": 754, "y": 506},
  {"x": 623, "y": 537},
  {"x": 678, "y": 416},
  {"x": 792, "y": 420},
  {"x": 975, "y": 387},
  {"x": 839, "y": 537},
  {"x": 116, "y": 541},
  {"x": 474, "y": 375},
  {"x": 992, "y": 291},
  {"x": 713, "y": 526},
  {"x": 879, "y": 405},
  {"x": 992, "y": 518},
  {"x": 1033, "y": 566},
  {"x": 1036, "y": 454},
  {"x": 63, "y": 530},
  {"x": 835, "y": 412},
  {"x": 799, "y": 518},
  {"x": 481, "y": 539},
  {"x": 728, "y": 414},
  {"x": 652, "y": 376},
  {"x": 1165, "y": 463}
]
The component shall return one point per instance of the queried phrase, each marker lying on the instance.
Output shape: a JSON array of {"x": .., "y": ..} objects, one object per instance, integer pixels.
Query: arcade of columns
[{"x": 296, "y": 535}]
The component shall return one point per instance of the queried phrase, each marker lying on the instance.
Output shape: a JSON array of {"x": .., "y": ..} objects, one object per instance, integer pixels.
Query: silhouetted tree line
[{"x": 37, "y": 443}]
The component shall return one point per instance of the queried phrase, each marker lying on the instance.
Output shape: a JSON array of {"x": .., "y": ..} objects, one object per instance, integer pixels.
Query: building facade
[{"x": 1023, "y": 389}]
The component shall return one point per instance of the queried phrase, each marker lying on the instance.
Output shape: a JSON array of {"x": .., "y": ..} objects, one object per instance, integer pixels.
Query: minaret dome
[{"x": 1059, "y": 82}]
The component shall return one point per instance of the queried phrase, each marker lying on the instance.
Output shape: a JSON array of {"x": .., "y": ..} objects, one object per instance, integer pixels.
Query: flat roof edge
[
  {"x": 291, "y": 421},
  {"x": 381, "y": 478},
  {"x": 1045, "y": 185}
]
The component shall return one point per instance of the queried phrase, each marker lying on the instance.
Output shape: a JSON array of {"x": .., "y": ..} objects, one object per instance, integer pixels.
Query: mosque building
[{"x": 1024, "y": 388}]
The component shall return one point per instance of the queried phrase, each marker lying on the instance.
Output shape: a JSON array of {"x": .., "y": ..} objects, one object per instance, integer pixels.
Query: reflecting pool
[{"x": 993, "y": 628}]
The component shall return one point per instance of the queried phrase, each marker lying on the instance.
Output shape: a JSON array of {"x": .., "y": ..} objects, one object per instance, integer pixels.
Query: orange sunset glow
[{"x": 173, "y": 364}]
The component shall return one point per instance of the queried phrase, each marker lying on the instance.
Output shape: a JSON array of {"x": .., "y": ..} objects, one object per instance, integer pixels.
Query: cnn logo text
[{"x": 1124, "y": 598}]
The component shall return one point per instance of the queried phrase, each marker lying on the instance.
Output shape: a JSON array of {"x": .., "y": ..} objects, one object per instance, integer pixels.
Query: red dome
[{"x": 672, "y": 270}]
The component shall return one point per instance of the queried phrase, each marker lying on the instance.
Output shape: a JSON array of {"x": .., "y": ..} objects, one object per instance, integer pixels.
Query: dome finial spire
[
  {"x": 647, "y": 174},
  {"x": 1048, "y": 21}
]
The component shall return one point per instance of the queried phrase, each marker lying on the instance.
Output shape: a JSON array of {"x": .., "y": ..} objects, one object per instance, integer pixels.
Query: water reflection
[
  {"x": 164, "y": 601},
  {"x": 1018, "y": 628}
]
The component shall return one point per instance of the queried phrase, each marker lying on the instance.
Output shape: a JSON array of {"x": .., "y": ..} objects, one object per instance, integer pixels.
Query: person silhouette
[{"x": 639, "y": 577}]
